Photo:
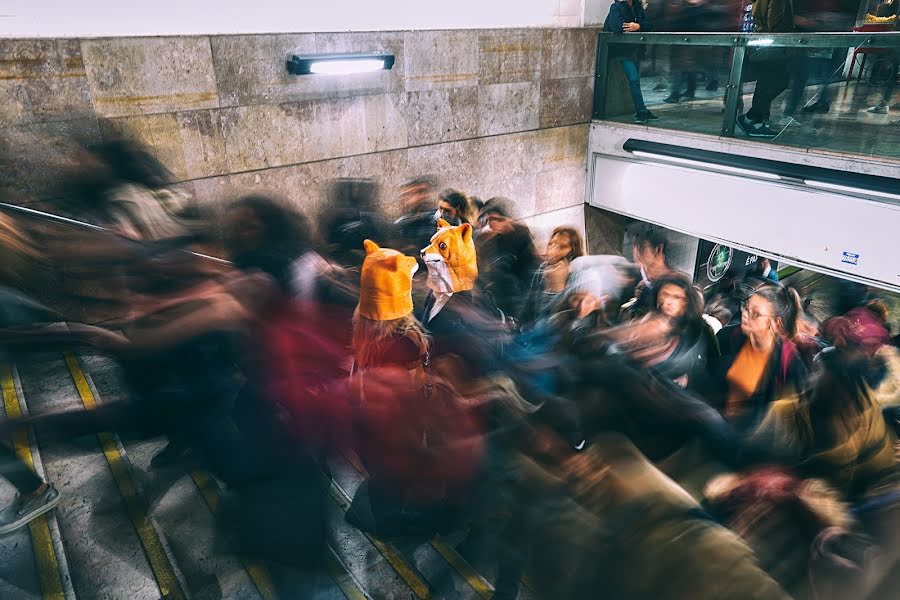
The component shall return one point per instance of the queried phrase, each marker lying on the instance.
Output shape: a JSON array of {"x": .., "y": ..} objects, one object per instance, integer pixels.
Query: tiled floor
[{"x": 847, "y": 127}]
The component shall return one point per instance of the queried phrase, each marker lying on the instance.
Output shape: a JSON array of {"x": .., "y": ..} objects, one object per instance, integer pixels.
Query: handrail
[
  {"x": 66, "y": 221},
  {"x": 883, "y": 39}
]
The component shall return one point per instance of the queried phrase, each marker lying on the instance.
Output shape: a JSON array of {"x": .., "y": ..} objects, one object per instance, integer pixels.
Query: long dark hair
[
  {"x": 460, "y": 202},
  {"x": 693, "y": 312},
  {"x": 575, "y": 240},
  {"x": 786, "y": 303}
]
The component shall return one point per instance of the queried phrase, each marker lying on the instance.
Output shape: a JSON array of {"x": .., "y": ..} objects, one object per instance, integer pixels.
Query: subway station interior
[{"x": 535, "y": 299}]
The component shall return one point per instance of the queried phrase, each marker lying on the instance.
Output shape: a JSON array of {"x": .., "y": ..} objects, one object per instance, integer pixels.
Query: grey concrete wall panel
[
  {"x": 542, "y": 225},
  {"x": 566, "y": 101},
  {"x": 42, "y": 80},
  {"x": 559, "y": 167},
  {"x": 225, "y": 117},
  {"x": 441, "y": 59},
  {"x": 135, "y": 76},
  {"x": 508, "y": 107},
  {"x": 32, "y": 156},
  {"x": 509, "y": 56},
  {"x": 385, "y": 123},
  {"x": 380, "y": 82},
  {"x": 444, "y": 115},
  {"x": 190, "y": 144},
  {"x": 250, "y": 69},
  {"x": 569, "y": 53}
]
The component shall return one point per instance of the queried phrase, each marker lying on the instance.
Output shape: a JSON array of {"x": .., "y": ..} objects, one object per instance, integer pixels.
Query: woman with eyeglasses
[{"x": 759, "y": 361}]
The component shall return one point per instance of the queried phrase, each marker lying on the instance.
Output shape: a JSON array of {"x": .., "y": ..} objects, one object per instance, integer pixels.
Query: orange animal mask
[
  {"x": 385, "y": 290},
  {"x": 451, "y": 262}
]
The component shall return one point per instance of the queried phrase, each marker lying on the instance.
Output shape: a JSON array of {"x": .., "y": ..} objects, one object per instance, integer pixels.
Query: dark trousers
[
  {"x": 772, "y": 79},
  {"x": 633, "y": 74},
  {"x": 800, "y": 71},
  {"x": 17, "y": 472}
]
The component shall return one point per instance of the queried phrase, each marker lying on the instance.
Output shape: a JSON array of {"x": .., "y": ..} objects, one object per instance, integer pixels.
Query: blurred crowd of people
[
  {"x": 592, "y": 421},
  {"x": 775, "y": 70}
]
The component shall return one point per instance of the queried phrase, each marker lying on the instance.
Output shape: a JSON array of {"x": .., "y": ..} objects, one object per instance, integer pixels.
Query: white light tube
[{"x": 346, "y": 67}]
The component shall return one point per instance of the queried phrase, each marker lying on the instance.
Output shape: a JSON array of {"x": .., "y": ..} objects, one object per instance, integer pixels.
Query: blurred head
[
  {"x": 592, "y": 281},
  {"x": 417, "y": 195},
  {"x": 454, "y": 207},
  {"x": 649, "y": 248},
  {"x": 565, "y": 244},
  {"x": 131, "y": 162},
  {"x": 584, "y": 303},
  {"x": 771, "y": 310},
  {"x": 496, "y": 217},
  {"x": 676, "y": 299},
  {"x": 261, "y": 233}
]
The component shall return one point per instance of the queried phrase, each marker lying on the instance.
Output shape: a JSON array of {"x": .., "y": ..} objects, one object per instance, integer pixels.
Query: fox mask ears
[
  {"x": 370, "y": 246},
  {"x": 465, "y": 230}
]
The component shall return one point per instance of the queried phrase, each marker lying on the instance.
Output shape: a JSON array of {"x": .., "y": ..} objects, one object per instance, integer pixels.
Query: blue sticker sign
[{"x": 851, "y": 258}]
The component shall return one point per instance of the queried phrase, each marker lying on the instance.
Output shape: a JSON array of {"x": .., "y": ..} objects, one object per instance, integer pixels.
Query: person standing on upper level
[
  {"x": 769, "y": 16},
  {"x": 628, "y": 16}
]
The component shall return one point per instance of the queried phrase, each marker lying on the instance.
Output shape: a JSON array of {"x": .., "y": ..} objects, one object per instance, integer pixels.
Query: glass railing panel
[{"x": 834, "y": 92}]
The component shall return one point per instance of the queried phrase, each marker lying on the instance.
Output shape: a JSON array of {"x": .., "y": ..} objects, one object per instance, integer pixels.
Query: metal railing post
[
  {"x": 733, "y": 90},
  {"x": 601, "y": 78}
]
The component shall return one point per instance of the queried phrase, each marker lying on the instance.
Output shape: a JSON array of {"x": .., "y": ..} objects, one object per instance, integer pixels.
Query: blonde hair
[
  {"x": 371, "y": 338},
  {"x": 16, "y": 251}
]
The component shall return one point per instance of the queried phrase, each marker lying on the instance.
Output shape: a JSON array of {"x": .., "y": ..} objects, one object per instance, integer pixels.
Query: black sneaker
[
  {"x": 23, "y": 510},
  {"x": 644, "y": 116},
  {"x": 672, "y": 99},
  {"x": 755, "y": 129}
]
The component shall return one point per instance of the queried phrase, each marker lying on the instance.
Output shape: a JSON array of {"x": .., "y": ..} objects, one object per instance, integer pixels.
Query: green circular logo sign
[{"x": 719, "y": 261}]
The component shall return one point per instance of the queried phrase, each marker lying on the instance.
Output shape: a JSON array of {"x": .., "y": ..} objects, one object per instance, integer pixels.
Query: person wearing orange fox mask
[
  {"x": 420, "y": 444},
  {"x": 452, "y": 271}
]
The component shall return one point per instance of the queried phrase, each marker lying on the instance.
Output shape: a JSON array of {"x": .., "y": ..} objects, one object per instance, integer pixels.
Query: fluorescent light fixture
[
  {"x": 345, "y": 67},
  {"x": 338, "y": 64},
  {"x": 835, "y": 187},
  {"x": 729, "y": 170},
  {"x": 761, "y": 42}
]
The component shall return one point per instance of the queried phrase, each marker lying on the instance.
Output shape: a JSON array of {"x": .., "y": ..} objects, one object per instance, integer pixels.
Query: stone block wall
[{"x": 493, "y": 112}]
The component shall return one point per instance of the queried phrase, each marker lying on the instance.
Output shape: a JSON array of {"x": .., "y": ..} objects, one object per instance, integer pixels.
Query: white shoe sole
[{"x": 26, "y": 519}]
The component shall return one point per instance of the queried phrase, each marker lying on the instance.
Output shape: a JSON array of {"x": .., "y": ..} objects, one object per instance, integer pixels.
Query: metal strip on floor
[
  {"x": 49, "y": 554},
  {"x": 171, "y": 583},
  {"x": 477, "y": 582},
  {"x": 259, "y": 574},
  {"x": 406, "y": 571}
]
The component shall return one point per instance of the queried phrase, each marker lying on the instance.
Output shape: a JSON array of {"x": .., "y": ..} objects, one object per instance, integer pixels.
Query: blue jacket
[{"x": 620, "y": 13}]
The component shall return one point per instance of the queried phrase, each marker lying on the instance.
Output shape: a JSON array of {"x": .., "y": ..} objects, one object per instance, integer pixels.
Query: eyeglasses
[{"x": 753, "y": 315}]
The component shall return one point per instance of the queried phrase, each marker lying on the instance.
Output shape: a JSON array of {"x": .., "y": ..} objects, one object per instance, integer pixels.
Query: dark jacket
[
  {"x": 692, "y": 357},
  {"x": 773, "y": 16},
  {"x": 786, "y": 369},
  {"x": 619, "y": 14},
  {"x": 539, "y": 303}
]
